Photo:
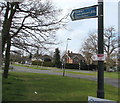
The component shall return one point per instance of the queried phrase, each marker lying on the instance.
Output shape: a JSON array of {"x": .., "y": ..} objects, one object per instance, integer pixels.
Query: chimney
[{"x": 68, "y": 51}]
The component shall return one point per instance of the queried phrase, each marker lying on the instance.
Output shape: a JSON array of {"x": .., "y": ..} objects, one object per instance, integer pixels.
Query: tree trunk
[
  {"x": 5, "y": 30},
  {"x": 6, "y": 39},
  {"x": 7, "y": 58}
]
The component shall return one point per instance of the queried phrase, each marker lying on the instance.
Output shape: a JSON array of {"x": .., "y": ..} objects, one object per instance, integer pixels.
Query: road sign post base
[{"x": 100, "y": 94}]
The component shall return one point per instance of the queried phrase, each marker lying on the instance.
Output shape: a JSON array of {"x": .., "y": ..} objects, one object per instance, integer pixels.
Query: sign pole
[
  {"x": 100, "y": 87},
  {"x": 90, "y": 12}
]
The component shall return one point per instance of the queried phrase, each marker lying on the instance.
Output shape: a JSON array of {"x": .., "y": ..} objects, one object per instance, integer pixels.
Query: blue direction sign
[{"x": 84, "y": 13}]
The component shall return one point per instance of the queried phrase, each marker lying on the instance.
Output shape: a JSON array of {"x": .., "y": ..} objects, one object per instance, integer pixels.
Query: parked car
[{"x": 111, "y": 70}]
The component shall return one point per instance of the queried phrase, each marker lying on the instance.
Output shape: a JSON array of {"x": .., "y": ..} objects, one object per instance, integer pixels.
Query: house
[{"x": 73, "y": 58}]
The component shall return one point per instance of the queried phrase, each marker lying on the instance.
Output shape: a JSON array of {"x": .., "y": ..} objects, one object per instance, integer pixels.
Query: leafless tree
[
  {"x": 89, "y": 47},
  {"x": 110, "y": 46},
  {"x": 28, "y": 24}
]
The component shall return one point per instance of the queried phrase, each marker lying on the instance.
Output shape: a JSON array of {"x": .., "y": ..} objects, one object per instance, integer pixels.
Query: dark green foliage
[
  {"x": 47, "y": 60},
  {"x": 71, "y": 66},
  {"x": 92, "y": 67},
  {"x": 46, "y": 64},
  {"x": 36, "y": 63},
  {"x": 57, "y": 58},
  {"x": 82, "y": 66}
]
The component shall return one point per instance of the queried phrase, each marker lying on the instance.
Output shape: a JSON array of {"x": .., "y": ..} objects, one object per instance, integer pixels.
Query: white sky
[{"x": 78, "y": 30}]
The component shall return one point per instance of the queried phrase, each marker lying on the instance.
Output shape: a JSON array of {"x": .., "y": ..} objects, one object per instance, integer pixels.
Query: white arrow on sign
[
  {"x": 84, "y": 13},
  {"x": 72, "y": 15}
]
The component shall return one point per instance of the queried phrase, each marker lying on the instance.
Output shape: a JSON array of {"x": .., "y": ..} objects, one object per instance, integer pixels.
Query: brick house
[{"x": 73, "y": 58}]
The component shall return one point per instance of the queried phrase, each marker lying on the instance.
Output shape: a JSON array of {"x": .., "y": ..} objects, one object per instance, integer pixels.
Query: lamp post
[
  {"x": 66, "y": 55},
  {"x": 67, "y": 44}
]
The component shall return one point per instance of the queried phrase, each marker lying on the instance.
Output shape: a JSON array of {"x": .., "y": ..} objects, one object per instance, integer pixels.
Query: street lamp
[
  {"x": 66, "y": 53},
  {"x": 67, "y": 44}
]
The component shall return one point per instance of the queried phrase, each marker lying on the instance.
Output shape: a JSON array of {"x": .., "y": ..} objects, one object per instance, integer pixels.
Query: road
[{"x": 113, "y": 82}]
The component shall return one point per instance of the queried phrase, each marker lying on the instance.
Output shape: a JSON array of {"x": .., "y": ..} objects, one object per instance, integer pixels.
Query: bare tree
[
  {"x": 28, "y": 24},
  {"x": 110, "y": 46},
  {"x": 89, "y": 47}
]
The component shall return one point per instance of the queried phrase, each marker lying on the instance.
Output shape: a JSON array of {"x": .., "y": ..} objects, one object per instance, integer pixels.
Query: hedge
[
  {"x": 46, "y": 64},
  {"x": 83, "y": 66}
]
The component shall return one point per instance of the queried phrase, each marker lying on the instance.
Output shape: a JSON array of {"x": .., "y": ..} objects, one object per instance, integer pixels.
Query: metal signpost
[
  {"x": 84, "y": 13},
  {"x": 100, "y": 87},
  {"x": 91, "y": 12}
]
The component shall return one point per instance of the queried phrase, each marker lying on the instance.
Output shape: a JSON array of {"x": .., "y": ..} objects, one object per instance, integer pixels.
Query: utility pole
[{"x": 100, "y": 87}]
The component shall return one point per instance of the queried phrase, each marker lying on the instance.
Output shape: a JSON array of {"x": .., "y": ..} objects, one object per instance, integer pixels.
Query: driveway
[{"x": 113, "y": 82}]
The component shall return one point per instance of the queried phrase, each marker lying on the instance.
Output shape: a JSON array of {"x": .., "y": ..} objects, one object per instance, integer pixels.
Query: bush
[
  {"x": 82, "y": 66},
  {"x": 92, "y": 67},
  {"x": 46, "y": 64},
  {"x": 71, "y": 66},
  {"x": 36, "y": 63}
]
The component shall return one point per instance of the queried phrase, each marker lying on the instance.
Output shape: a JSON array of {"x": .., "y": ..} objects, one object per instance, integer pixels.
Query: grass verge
[
  {"x": 31, "y": 67},
  {"x": 113, "y": 75},
  {"x": 22, "y": 87}
]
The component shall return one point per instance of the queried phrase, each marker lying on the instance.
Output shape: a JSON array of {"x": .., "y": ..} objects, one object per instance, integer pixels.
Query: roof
[{"x": 73, "y": 55}]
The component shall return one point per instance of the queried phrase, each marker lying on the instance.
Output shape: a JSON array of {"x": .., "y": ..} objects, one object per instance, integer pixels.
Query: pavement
[{"x": 110, "y": 81}]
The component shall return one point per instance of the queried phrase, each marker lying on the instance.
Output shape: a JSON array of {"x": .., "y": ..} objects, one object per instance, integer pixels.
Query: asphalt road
[{"x": 113, "y": 82}]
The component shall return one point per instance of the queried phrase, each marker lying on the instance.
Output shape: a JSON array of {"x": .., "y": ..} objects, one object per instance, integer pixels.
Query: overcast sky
[{"x": 79, "y": 30}]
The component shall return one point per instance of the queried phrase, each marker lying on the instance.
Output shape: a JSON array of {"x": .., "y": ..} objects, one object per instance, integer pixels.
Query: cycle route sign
[{"x": 84, "y": 13}]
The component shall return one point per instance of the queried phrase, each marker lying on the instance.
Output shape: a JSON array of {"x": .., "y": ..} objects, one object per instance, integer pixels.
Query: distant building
[{"x": 73, "y": 58}]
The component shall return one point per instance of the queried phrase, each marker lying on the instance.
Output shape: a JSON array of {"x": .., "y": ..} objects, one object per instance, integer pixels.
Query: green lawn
[
  {"x": 31, "y": 67},
  {"x": 106, "y": 74},
  {"x": 22, "y": 86},
  {"x": 113, "y": 75}
]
